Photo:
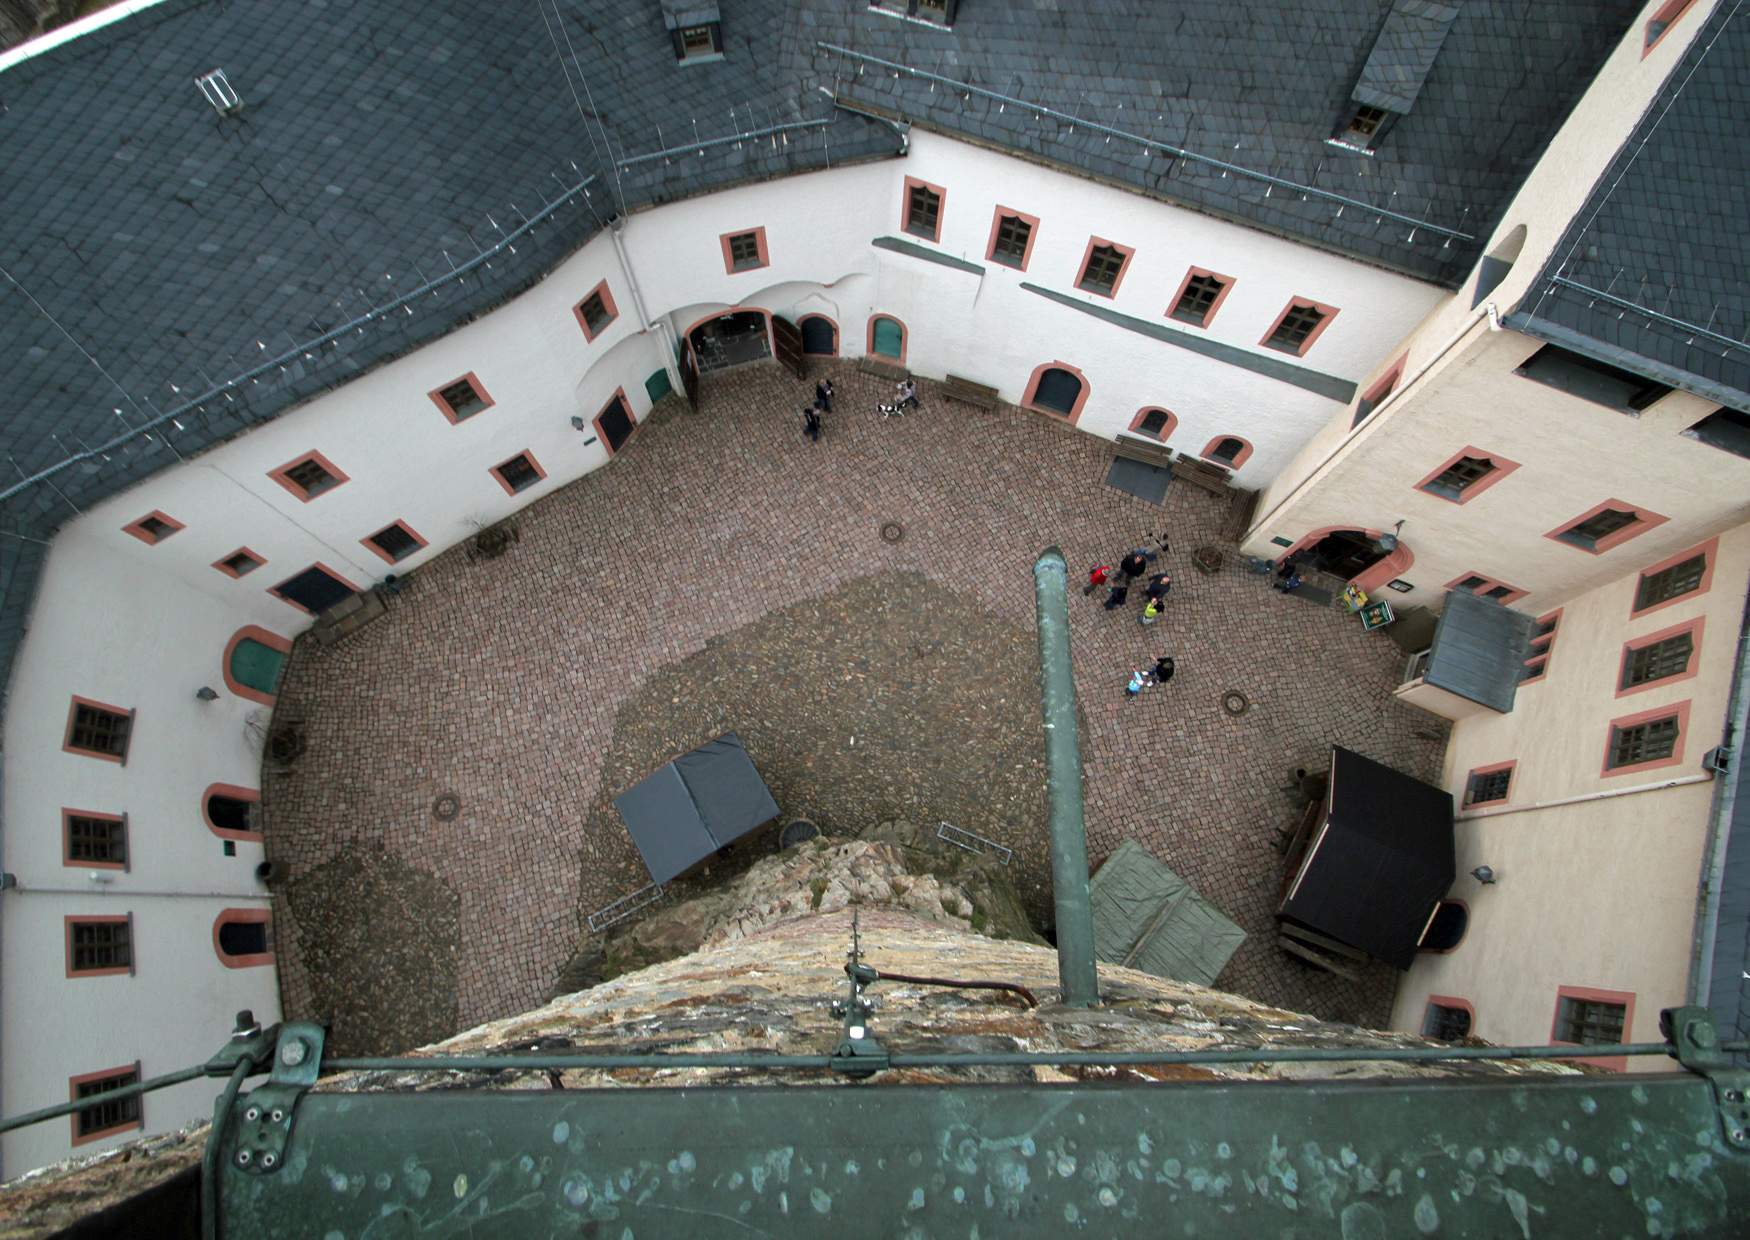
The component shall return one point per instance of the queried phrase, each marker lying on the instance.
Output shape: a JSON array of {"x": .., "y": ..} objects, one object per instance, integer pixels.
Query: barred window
[
  {"x": 96, "y": 841},
  {"x": 923, "y": 211},
  {"x": 99, "y": 946},
  {"x": 1458, "y": 477},
  {"x": 100, "y": 731},
  {"x": 1010, "y": 248},
  {"x": 1670, "y": 583},
  {"x": 1445, "y": 1024},
  {"x": 1198, "y": 299},
  {"x": 1589, "y": 1022},
  {"x": 1643, "y": 742},
  {"x": 1300, "y": 322},
  {"x": 1646, "y": 664},
  {"x": 110, "y": 1116},
  {"x": 312, "y": 478},
  {"x": 1485, "y": 786},
  {"x": 744, "y": 251},
  {"x": 1105, "y": 263}
]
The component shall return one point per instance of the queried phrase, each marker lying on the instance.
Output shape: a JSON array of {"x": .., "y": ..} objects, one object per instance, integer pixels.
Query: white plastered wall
[{"x": 1601, "y": 893}]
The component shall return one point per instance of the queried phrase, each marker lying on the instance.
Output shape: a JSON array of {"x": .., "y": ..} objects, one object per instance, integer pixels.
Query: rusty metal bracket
[
  {"x": 261, "y": 1121},
  {"x": 1696, "y": 1044}
]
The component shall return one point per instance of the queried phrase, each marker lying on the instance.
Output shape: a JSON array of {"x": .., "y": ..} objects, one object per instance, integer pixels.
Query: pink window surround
[
  {"x": 1128, "y": 253},
  {"x": 1677, "y": 710},
  {"x": 619, "y": 396},
  {"x": 383, "y": 555},
  {"x": 1513, "y": 595},
  {"x": 448, "y": 410},
  {"x": 237, "y": 793},
  {"x": 305, "y": 497},
  {"x": 1396, "y": 564},
  {"x": 904, "y": 339},
  {"x": 1227, "y": 286},
  {"x": 67, "y": 816},
  {"x": 1502, "y": 467},
  {"x": 996, "y": 222},
  {"x": 1385, "y": 386},
  {"x": 1645, "y": 519},
  {"x": 1710, "y": 550},
  {"x": 600, "y": 290},
  {"x": 1543, "y": 647},
  {"x": 242, "y": 916},
  {"x": 1240, "y": 458},
  {"x": 73, "y": 1084},
  {"x": 1692, "y": 627},
  {"x": 1451, "y": 1001},
  {"x": 941, "y": 194},
  {"x": 1615, "y": 1063},
  {"x": 120, "y": 759},
  {"x": 1032, "y": 388},
  {"x": 251, "y": 632},
  {"x": 138, "y": 530},
  {"x": 1160, "y": 436},
  {"x": 124, "y": 919},
  {"x": 1660, "y": 23},
  {"x": 533, "y": 464},
  {"x": 1494, "y": 769},
  {"x": 1330, "y": 313},
  {"x": 830, "y": 322},
  {"x": 224, "y": 567},
  {"x": 759, "y": 236},
  {"x": 319, "y": 567}
]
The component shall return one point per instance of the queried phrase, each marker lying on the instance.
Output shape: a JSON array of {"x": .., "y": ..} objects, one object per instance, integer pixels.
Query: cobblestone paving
[{"x": 504, "y": 681}]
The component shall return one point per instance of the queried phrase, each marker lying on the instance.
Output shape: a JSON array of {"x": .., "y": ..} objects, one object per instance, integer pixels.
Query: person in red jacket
[{"x": 1097, "y": 577}]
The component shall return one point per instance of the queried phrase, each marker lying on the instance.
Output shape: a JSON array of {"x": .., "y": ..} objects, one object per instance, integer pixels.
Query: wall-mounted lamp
[
  {"x": 207, "y": 694},
  {"x": 1483, "y": 874},
  {"x": 577, "y": 422},
  {"x": 1388, "y": 543}
]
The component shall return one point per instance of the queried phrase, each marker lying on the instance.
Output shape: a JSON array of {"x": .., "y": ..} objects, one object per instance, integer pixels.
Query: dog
[{"x": 889, "y": 409}]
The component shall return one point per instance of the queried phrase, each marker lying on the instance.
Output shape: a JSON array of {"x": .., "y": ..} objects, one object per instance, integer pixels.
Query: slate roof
[
  {"x": 1479, "y": 650},
  {"x": 1667, "y": 229},
  {"x": 381, "y": 144},
  {"x": 1404, "y": 53}
]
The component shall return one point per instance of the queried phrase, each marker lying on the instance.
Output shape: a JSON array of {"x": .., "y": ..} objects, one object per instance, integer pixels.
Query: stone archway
[{"x": 1353, "y": 553}]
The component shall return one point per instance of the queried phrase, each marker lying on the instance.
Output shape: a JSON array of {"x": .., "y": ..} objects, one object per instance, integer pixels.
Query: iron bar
[
  {"x": 108, "y": 1095},
  {"x": 1177, "y": 152},
  {"x": 743, "y": 136},
  {"x": 1669, "y": 320}
]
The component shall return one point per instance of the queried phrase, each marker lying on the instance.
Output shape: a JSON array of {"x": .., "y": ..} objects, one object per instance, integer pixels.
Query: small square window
[
  {"x": 1376, "y": 395},
  {"x": 1445, "y": 1023},
  {"x": 1596, "y": 528},
  {"x": 1102, "y": 271},
  {"x": 463, "y": 398},
  {"x": 116, "y": 1115},
  {"x": 1458, "y": 477},
  {"x": 923, "y": 211},
  {"x": 519, "y": 473},
  {"x": 1296, "y": 327},
  {"x": 1485, "y": 786},
  {"x": 1725, "y": 429},
  {"x": 97, "y": 840},
  {"x": 1642, "y": 665},
  {"x": 1471, "y": 584},
  {"x": 308, "y": 476},
  {"x": 1589, "y": 1022},
  {"x": 100, "y": 945},
  {"x": 1669, "y": 583},
  {"x": 99, "y": 730},
  {"x": 595, "y": 314},
  {"x": 239, "y": 563},
  {"x": 153, "y": 528},
  {"x": 744, "y": 252},
  {"x": 395, "y": 542},
  {"x": 1651, "y": 741},
  {"x": 1010, "y": 246},
  {"x": 1198, "y": 300}
]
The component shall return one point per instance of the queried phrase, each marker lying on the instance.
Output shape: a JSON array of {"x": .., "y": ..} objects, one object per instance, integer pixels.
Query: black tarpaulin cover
[
  {"x": 689, "y": 808},
  {"x": 1379, "y": 863}
]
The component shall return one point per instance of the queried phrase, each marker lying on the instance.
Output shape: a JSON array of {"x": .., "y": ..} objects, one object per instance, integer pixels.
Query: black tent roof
[
  {"x": 689, "y": 808},
  {"x": 1378, "y": 864}
]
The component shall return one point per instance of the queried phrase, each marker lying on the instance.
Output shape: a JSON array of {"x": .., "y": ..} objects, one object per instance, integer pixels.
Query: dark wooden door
[
  {"x": 689, "y": 368},
  {"x": 787, "y": 345},
  {"x": 314, "y": 589},
  {"x": 616, "y": 423},
  {"x": 1346, "y": 553}
]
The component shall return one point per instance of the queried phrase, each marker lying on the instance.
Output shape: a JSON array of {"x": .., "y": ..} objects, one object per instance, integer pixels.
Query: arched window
[
  {"x": 253, "y": 661},
  {"x": 887, "y": 337},
  {"x": 1058, "y": 390},
  {"x": 231, "y": 812},
  {"x": 820, "y": 336},
  {"x": 1228, "y": 450},
  {"x": 243, "y": 937},
  {"x": 1154, "y": 423},
  {"x": 1497, "y": 263}
]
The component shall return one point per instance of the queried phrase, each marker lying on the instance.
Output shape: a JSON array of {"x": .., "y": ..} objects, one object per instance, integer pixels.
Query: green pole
[{"x": 1063, "y": 763}]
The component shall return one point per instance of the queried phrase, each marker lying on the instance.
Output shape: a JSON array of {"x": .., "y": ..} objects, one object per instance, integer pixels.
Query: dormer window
[
  {"x": 696, "y": 30},
  {"x": 696, "y": 41},
  {"x": 935, "y": 12},
  {"x": 1365, "y": 126}
]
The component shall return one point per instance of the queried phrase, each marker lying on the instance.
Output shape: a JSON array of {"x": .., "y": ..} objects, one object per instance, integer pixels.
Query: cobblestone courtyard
[{"x": 723, "y": 573}]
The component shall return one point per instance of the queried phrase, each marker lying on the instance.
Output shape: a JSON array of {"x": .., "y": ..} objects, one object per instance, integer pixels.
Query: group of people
[
  {"x": 813, "y": 415},
  {"x": 1118, "y": 583}
]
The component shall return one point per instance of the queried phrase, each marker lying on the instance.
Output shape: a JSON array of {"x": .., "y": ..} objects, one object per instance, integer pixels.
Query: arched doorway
[
  {"x": 1352, "y": 553},
  {"x": 730, "y": 339},
  {"x": 243, "y": 937},
  {"x": 1446, "y": 929},
  {"x": 820, "y": 337},
  {"x": 253, "y": 662},
  {"x": 887, "y": 338}
]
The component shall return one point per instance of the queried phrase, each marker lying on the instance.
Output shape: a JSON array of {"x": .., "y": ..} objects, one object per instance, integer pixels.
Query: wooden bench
[
  {"x": 1211, "y": 478},
  {"x": 347, "y": 617},
  {"x": 881, "y": 368},
  {"x": 969, "y": 393},
  {"x": 1145, "y": 450},
  {"x": 1241, "y": 504}
]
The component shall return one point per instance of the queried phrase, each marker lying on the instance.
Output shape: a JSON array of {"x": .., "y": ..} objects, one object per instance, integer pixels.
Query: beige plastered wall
[
  {"x": 1556, "y": 189},
  {"x": 1600, "y": 893}
]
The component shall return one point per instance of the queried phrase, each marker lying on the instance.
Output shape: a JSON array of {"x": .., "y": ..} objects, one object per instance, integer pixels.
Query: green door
[
  {"x": 257, "y": 666},
  {"x": 658, "y": 386},
  {"x": 889, "y": 338}
]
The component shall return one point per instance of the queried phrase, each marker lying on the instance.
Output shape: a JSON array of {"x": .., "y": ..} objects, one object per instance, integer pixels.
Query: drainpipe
[
  {"x": 663, "y": 328},
  {"x": 1713, "y": 862},
  {"x": 1063, "y": 781},
  {"x": 1606, "y": 794}
]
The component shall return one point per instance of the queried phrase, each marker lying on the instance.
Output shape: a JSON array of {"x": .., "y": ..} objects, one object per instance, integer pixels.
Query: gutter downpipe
[
  {"x": 1713, "y": 863},
  {"x": 664, "y": 329},
  {"x": 1076, "y": 971}
]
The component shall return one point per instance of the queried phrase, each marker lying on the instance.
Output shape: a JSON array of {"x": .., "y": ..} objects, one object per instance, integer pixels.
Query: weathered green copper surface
[{"x": 1621, "y": 1155}]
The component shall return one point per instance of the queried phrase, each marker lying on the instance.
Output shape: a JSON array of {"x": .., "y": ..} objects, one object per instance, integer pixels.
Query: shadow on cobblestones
[{"x": 890, "y": 697}]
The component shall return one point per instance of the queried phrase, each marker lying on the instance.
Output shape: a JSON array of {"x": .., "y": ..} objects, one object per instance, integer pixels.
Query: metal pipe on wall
[{"x": 1076, "y": 971}]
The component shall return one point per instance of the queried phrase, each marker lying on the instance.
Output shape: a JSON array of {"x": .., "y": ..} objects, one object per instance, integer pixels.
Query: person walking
[
  {"x": 1152, "y": 612},
  {"x": 1096, "y": 578},
  {"x": 1139, "y": 680},
  {"x": 823, "y": 395},
  {"x": 811, "y": 424},
  {"x": 1163, "y": 669},
  {"x": 1120, "y": 591},
  {"x": 1158, "y": 585},
  {"x": 1133, "y": 565},
  {"x": 908, "y": 394}
]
